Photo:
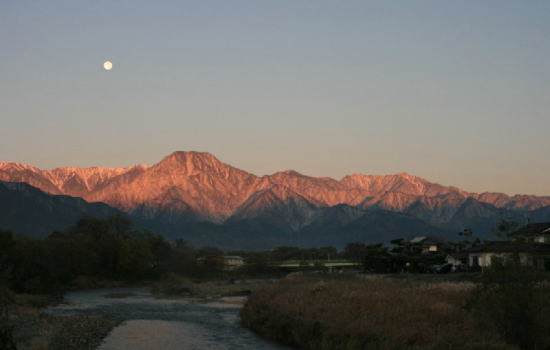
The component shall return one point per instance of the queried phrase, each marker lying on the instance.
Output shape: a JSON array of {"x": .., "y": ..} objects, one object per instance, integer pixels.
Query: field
[{"x": 373, "y": 313}]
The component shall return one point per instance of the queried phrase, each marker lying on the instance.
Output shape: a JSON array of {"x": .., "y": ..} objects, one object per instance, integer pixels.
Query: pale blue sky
[{"x": 457, "y": 92}]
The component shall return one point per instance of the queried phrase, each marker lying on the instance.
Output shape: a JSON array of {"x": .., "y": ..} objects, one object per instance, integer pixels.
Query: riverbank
[
  {"x": 26, "y": 321},
  {"x": 35, "y": 329},
  {"x": 174, "y": 286},
  {"x": 322, "y": 312},
  {"x": 151, "y": 322}
]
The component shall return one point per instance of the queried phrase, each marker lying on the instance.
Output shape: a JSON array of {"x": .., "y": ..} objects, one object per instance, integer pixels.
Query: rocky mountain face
[{"x": 195, "y": 187}]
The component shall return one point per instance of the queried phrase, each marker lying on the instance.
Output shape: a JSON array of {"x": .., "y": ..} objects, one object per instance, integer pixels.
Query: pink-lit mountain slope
[{"x": 196, "y": 186}]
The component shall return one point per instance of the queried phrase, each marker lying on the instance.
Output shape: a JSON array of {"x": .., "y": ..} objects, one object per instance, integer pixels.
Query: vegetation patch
[
  {"x": 514, "y": 299},
  {"x": 373, "y": 313}
]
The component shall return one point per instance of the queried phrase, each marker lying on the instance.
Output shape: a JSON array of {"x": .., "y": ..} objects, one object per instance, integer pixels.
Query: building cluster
[{"x": 530, "y": 245}]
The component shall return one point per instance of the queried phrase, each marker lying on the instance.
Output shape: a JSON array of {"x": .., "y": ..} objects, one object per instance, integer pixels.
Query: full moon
[{"x": 108, "y": 65}]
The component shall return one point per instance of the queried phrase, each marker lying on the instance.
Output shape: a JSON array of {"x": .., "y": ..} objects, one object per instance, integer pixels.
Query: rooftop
[
  {"x": 532, "y": 229},
  {"x": 510, "y": 247},
  {"x": 233, "y": 257},
  {"x": 420, "y": 239}
]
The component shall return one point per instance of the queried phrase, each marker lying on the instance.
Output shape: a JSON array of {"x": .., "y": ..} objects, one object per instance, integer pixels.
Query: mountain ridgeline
[
  {"x": 195, "y": 196},
  {"x": 28, "y": 210}
]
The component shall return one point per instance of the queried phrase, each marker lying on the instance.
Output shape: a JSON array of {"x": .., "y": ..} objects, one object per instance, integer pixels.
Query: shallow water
[{"x": 166, "y": 324}]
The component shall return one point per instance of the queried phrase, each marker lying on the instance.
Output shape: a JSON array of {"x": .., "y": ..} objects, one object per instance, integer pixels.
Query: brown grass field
[{"x": 368, "y": 313}]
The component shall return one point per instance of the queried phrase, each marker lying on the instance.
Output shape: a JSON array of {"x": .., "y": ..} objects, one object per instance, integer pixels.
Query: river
[{"x": 166, "y": 324}]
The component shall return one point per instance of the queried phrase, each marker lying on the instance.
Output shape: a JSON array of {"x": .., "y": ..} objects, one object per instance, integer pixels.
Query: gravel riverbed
[{"x": 36, "y": 330}]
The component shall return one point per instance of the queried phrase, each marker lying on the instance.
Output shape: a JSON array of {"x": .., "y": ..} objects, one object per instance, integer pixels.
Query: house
[
  {"x": 232, "y": 262},
  {"x": 530, "y": 245},
  {"x": 529, "y": 253},
  {"x": 459, "y": 260},
  {"x": 428, "y": 244},
  {"x": 538, "y": 233}
]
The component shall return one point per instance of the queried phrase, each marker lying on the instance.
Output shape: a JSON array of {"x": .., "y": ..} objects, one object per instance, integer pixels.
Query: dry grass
[{"x": 376, "y": 313}]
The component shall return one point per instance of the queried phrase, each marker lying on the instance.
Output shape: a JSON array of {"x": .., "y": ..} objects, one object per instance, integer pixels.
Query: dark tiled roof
[
  {"x": 425, "y": 239},
  {"x": 510, "y": 247},
  {"x": 531, "y": 229},
  {"x": 458, "y": 255},
  {"x": 418, "y": 239}
]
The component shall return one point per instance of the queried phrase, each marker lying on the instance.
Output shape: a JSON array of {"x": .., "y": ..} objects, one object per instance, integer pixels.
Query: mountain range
[{"x": 195, "y": 196}]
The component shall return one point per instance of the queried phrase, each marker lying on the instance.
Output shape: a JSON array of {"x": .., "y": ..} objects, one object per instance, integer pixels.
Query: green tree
[
  {"x": 183, "y": 259},
  {"x": 377, "y": 259},
  {"x": 505, "y": 227},
  {"x": 135, "y": 260},
  {"x": 286, "y": 253},
  {"x": 355, "y": 251}
]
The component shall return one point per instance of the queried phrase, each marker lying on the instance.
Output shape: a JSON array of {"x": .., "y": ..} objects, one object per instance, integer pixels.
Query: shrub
[{"x": 173, "y": 285}]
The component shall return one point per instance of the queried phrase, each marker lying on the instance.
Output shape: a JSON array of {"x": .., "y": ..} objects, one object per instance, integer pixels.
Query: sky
[{"x": 457, "y": 92}]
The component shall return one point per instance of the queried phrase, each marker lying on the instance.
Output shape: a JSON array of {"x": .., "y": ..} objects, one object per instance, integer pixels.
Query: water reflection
[{"x": 166, "y": 324}]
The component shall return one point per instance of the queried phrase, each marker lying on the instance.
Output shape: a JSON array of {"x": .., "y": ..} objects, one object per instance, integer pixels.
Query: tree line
[
  {"x": 102, "y": 249},
  {"x": 114, "y": 249}
]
